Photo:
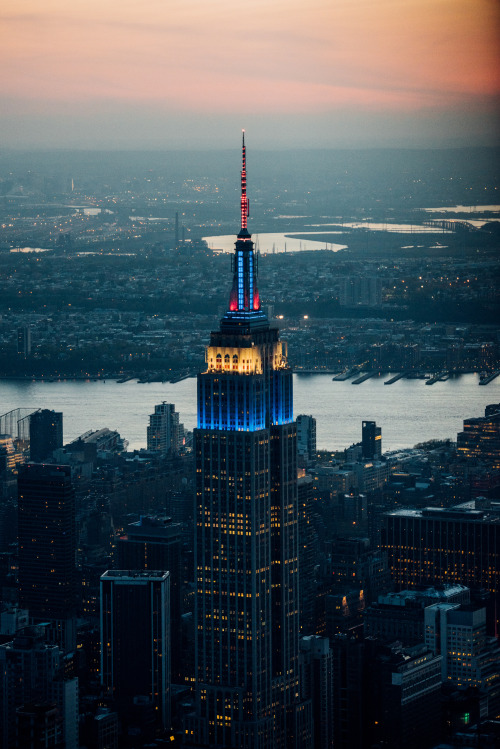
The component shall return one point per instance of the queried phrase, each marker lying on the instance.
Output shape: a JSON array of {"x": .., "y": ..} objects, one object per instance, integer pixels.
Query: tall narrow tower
[
  {"x": 246, "y": 527},
  {"x": 47, "y": 547}
]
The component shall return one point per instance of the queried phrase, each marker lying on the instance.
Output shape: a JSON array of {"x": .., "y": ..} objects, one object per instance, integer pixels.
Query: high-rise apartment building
[
  {"x": 164, "y": 433},
  {"x": 135, "y": 634},
  {"x": 246, "y": 545},
  {"x": 24, "y": 341},
  {"x": 306, "y": 436},
  {"x": 47, "y": 547},
  {"x": 365, "y": 291},
  {"x": 46, "y": 434}
]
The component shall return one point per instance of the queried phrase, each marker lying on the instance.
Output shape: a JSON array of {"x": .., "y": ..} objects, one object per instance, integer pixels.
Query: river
[{"x": 408, "y": 411}]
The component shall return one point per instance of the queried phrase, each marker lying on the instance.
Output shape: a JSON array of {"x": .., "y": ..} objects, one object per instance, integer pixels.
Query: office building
[
  {"x": 64, "y": 692},
  {"x": 135, "y": 641},
  {"x": 246, "y": 541},
  {"x": 458, "y": 633},
  {"x": 39, "y": 725},
  {"x": 154, "y": 543},
  {"x": 28, "y": 666},
  {"x": 371, "y": 440},
  {"x": 349, "y": 692},
  {"x": 480, "y": 438},
  {"x": 8, "y": 457},
  {"x": 308, "y": 556},
  {"x": 9, "y": 460},
  {"x": 404, "y": 687},
  {"x": 47, "y": 548},
  {"x": 46, "y": 434},
  {"x": 400, "y": 616},
  {"x": 316, "y": 684},
  {"x": 369, "y": 475},
  {"x": 352, "y": 564},
  {"x": 435, "y": 546},
  {"x": 100, "y": 730},
  {"x": 13, "y": 619},
  {"x": 164, "y": 433},
  {"x": 384, "y": 696}
]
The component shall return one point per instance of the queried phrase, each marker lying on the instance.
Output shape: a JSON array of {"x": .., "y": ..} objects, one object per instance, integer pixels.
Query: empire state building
[{"x": 246, "y": 545}]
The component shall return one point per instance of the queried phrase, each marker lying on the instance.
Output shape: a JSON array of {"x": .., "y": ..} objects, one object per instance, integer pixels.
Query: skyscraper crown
[{"x": 244, "y": 300}]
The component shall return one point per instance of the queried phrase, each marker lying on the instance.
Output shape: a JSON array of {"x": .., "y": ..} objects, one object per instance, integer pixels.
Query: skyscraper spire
[{"x": 244, "y": 301}]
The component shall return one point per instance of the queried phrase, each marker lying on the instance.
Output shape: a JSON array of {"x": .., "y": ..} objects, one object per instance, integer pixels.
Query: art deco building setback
[{"x": 246, "y": 545}]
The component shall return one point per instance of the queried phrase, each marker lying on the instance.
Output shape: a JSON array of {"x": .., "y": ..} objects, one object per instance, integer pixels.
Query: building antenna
[{"x": 245, "y": 204}]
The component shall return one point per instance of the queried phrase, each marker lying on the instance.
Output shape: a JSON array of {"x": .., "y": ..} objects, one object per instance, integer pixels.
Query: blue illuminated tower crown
[
  {"x": 248, "y": 383},
  {"x": 244, "y": 302}
]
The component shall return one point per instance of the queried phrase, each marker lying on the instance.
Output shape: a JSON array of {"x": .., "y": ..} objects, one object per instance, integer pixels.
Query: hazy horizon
[{"x": 230, "y": 151}]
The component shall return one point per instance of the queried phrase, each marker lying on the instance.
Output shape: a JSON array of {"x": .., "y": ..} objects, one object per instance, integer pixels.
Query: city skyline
[
  {"x": 239, "y": 585},
  {"x": 174, "y": 75}
]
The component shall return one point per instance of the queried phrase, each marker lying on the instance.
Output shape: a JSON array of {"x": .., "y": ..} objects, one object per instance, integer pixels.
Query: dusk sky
[{"x": 189, "y": 73}]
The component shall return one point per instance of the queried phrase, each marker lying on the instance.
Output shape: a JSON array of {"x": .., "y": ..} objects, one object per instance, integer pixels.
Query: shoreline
[{"x": 121, "y": 377}]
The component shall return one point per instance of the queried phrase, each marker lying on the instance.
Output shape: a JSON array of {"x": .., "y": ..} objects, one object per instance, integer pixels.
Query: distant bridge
[{"x": 451, "y": 224}]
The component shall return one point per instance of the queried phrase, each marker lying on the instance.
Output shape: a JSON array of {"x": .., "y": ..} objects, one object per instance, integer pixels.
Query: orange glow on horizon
[
  {"x": 191, "y": 57},
  {"x": 175, "y": 50}
]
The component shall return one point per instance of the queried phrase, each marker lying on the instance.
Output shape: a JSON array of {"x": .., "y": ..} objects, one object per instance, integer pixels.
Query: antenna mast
[{"x": 245, "y": 205}]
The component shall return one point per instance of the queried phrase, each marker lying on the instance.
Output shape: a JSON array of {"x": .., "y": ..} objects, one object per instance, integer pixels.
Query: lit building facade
[
  {"x": 436, "y": 546},
  {"x": 469, "y": 657},
  {"x": 480, "y": 439},
  {"x": 246, "y": 545}
]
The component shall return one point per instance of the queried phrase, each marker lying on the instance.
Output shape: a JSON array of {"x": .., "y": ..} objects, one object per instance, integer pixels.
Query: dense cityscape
[
  {"x": 116, "y": 279},
  {"x": 236, "y": 586}
]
